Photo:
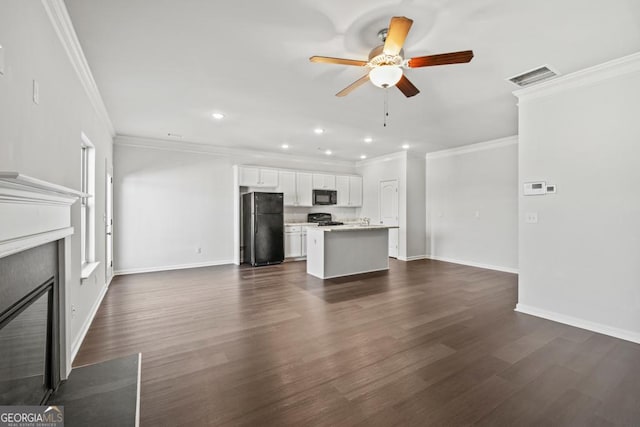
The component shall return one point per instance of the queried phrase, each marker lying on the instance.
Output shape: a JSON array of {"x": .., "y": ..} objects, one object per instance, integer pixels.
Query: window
[{"x": 87, "y": 207}]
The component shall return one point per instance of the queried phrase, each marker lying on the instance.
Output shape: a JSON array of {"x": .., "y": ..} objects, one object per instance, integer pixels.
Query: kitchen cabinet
[
  {"x": 349, "y": 190},
  {"x": 292, "y": 242},
  {"x": 287, "y": 186},
  {"x": 355, "y": 191},
  {"x": 303, "y": 240},
  {"x": 304, "y": 189},
  {"x": 323, "y": 181},
  {"x": 342, "y": 186},
  {"x": 258, "y": 177},
  {"x": 295, "y": 241}
]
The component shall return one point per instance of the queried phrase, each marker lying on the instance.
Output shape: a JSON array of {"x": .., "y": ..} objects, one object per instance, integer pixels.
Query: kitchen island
[{"x": 343, "y": 250}]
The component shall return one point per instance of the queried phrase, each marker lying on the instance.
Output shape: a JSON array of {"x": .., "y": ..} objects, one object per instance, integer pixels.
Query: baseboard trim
[
  {"x": 413, "y": 258},
  {"x": 623, "y": 334},
  {"x": 77, "y": 342},
  {"x": 171, "y": 267},
  {"x": 474, "y": 264}
]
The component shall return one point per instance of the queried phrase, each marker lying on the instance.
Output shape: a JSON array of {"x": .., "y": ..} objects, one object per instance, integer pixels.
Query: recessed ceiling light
[
  {"x": 318, "y": 131},
  {"x": 218, "y": 116},
  {"x": 363, "y": 157},
  {"x": 368, "y": 140},
  {"x": 328, "y": 152},
  {"x": 285, "y": 146},
  {"x": 405, "y": 146}
]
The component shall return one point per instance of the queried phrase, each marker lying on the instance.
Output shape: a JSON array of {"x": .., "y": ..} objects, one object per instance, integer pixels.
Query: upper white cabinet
[
  {"x": 342, "y": 187},
  {"x": 258, "y": 177},
  {"x": 349, "y": 190},
  {"x": 323, "y": 181},
  {"x": 355, "y": 191},
  {"x": 304, "y": 189},
  {"x": 298, "y": 186},
  {"x": 287, "y": 186}
]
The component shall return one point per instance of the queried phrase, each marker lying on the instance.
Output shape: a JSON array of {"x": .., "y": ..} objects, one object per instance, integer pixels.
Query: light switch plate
[
  {"x": 1, "y": 60},
  {"x": 36, "y": 92}
]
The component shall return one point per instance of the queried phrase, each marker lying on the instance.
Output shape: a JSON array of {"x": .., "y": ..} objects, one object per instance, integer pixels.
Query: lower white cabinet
[
  {"x": 295, "y": 241},
  {"x": 292, "y": 245}
]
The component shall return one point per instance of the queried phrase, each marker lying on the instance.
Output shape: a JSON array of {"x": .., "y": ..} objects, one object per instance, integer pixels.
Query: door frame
[
  {"x": 108, "y": 228},
  {"x": 394, "y": 231}
]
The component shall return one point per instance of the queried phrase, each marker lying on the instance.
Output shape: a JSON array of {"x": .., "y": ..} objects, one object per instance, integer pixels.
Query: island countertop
[{"x": 348, "y": 227}]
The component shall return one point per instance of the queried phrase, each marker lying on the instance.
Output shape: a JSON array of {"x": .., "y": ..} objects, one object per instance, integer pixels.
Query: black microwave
[{"x": 325, "y": 197}]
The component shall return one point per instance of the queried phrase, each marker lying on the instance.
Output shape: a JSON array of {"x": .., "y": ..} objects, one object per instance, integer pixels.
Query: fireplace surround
[{"x": 35, "y": 234}]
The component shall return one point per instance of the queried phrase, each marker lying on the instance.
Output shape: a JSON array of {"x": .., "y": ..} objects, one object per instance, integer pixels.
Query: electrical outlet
[
  {"x": 531, "y": 217},
  {"x": 73, "y": 311}
]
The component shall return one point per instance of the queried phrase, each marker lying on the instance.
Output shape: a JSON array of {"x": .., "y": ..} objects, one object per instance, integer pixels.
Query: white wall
[
  {"x": 472, "y": 204},
  {"x": 580, "y": 263},
  {"x": 172, "y": 198},
  {"x": 43, "y": 141},
  {"x": 416, "y": 204}
]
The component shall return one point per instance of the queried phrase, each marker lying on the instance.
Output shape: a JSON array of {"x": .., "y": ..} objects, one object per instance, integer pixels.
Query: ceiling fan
[{"x": 386, "y": 61}]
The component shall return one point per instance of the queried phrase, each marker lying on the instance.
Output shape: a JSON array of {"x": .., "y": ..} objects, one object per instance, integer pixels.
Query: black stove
[{"x": 322, "y": 219}]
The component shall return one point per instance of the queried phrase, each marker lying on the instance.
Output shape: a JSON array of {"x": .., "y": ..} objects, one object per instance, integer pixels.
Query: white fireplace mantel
[{"x": 33, "y": 212}]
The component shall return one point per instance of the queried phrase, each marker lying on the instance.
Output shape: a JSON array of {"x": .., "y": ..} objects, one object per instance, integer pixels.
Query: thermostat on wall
[{"x": 535, "y": 188}]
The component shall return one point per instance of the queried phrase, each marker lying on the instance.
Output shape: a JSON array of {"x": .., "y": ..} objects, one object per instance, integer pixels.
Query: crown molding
[
  {"x": 480, "y": 146},
  {"x": 61, "y": 22},
  {"x": 588, "y": 76},
  {"x": 216, "y": 150},
  {"x": 383, "y": 158}
]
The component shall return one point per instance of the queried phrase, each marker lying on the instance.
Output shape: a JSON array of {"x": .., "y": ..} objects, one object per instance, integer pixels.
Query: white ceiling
[{"x": 163, "y": 66}]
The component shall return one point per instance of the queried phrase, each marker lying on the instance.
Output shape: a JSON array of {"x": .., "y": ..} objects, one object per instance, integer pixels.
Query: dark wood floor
[{"x": 427, "y": 343}]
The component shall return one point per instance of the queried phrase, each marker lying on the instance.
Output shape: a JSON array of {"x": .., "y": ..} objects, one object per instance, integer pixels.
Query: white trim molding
[
  {"x": 383, "y": 158},
  {"x": 474, "y": 264},
  {"x": 588, "y": 76},
  {"x": 579, "y": 323},
  {"x": 61, "y": 22},
  {"x": 216, "y": 150},
  {"x": 413, "y": 258},
  {"x": 480, "y": 146},
  {"x": 171, "y": 267}
]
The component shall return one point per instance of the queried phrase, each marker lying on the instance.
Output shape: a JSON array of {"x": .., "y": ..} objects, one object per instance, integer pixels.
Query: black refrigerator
[{"x": 263, "y": 228}]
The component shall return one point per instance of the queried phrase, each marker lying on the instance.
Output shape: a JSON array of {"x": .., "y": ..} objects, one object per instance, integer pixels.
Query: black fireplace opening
[{"x": 29, "y": 326}]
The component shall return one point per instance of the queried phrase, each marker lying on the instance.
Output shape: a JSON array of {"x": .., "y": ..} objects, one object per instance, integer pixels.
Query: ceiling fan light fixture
[{"x": 385, "y": 75}]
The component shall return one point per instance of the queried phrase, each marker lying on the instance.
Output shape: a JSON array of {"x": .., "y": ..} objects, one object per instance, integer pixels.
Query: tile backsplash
[{"x": 298, "y": 214}]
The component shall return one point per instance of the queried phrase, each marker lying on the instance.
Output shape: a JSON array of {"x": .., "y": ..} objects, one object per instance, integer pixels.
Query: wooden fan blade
[
  {"x": 347, "y": 90},
  {"x": 341, "y": 61},
  {"x": 398, "y": 29},
  {"x": 441, "y": 59},
  {"x": 407, "y": 87}
]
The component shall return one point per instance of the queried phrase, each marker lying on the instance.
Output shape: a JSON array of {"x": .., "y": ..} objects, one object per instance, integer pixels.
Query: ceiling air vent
[{"x": 534, "y": 76}]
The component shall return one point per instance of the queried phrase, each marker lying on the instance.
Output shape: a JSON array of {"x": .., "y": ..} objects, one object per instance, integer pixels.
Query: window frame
[{"x": 87, "y": 207}]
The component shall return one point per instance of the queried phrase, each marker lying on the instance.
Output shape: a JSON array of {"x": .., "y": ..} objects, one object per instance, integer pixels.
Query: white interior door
[
  {"x": 108, "y": 220},
  {"x": 389, "y": 212}
]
